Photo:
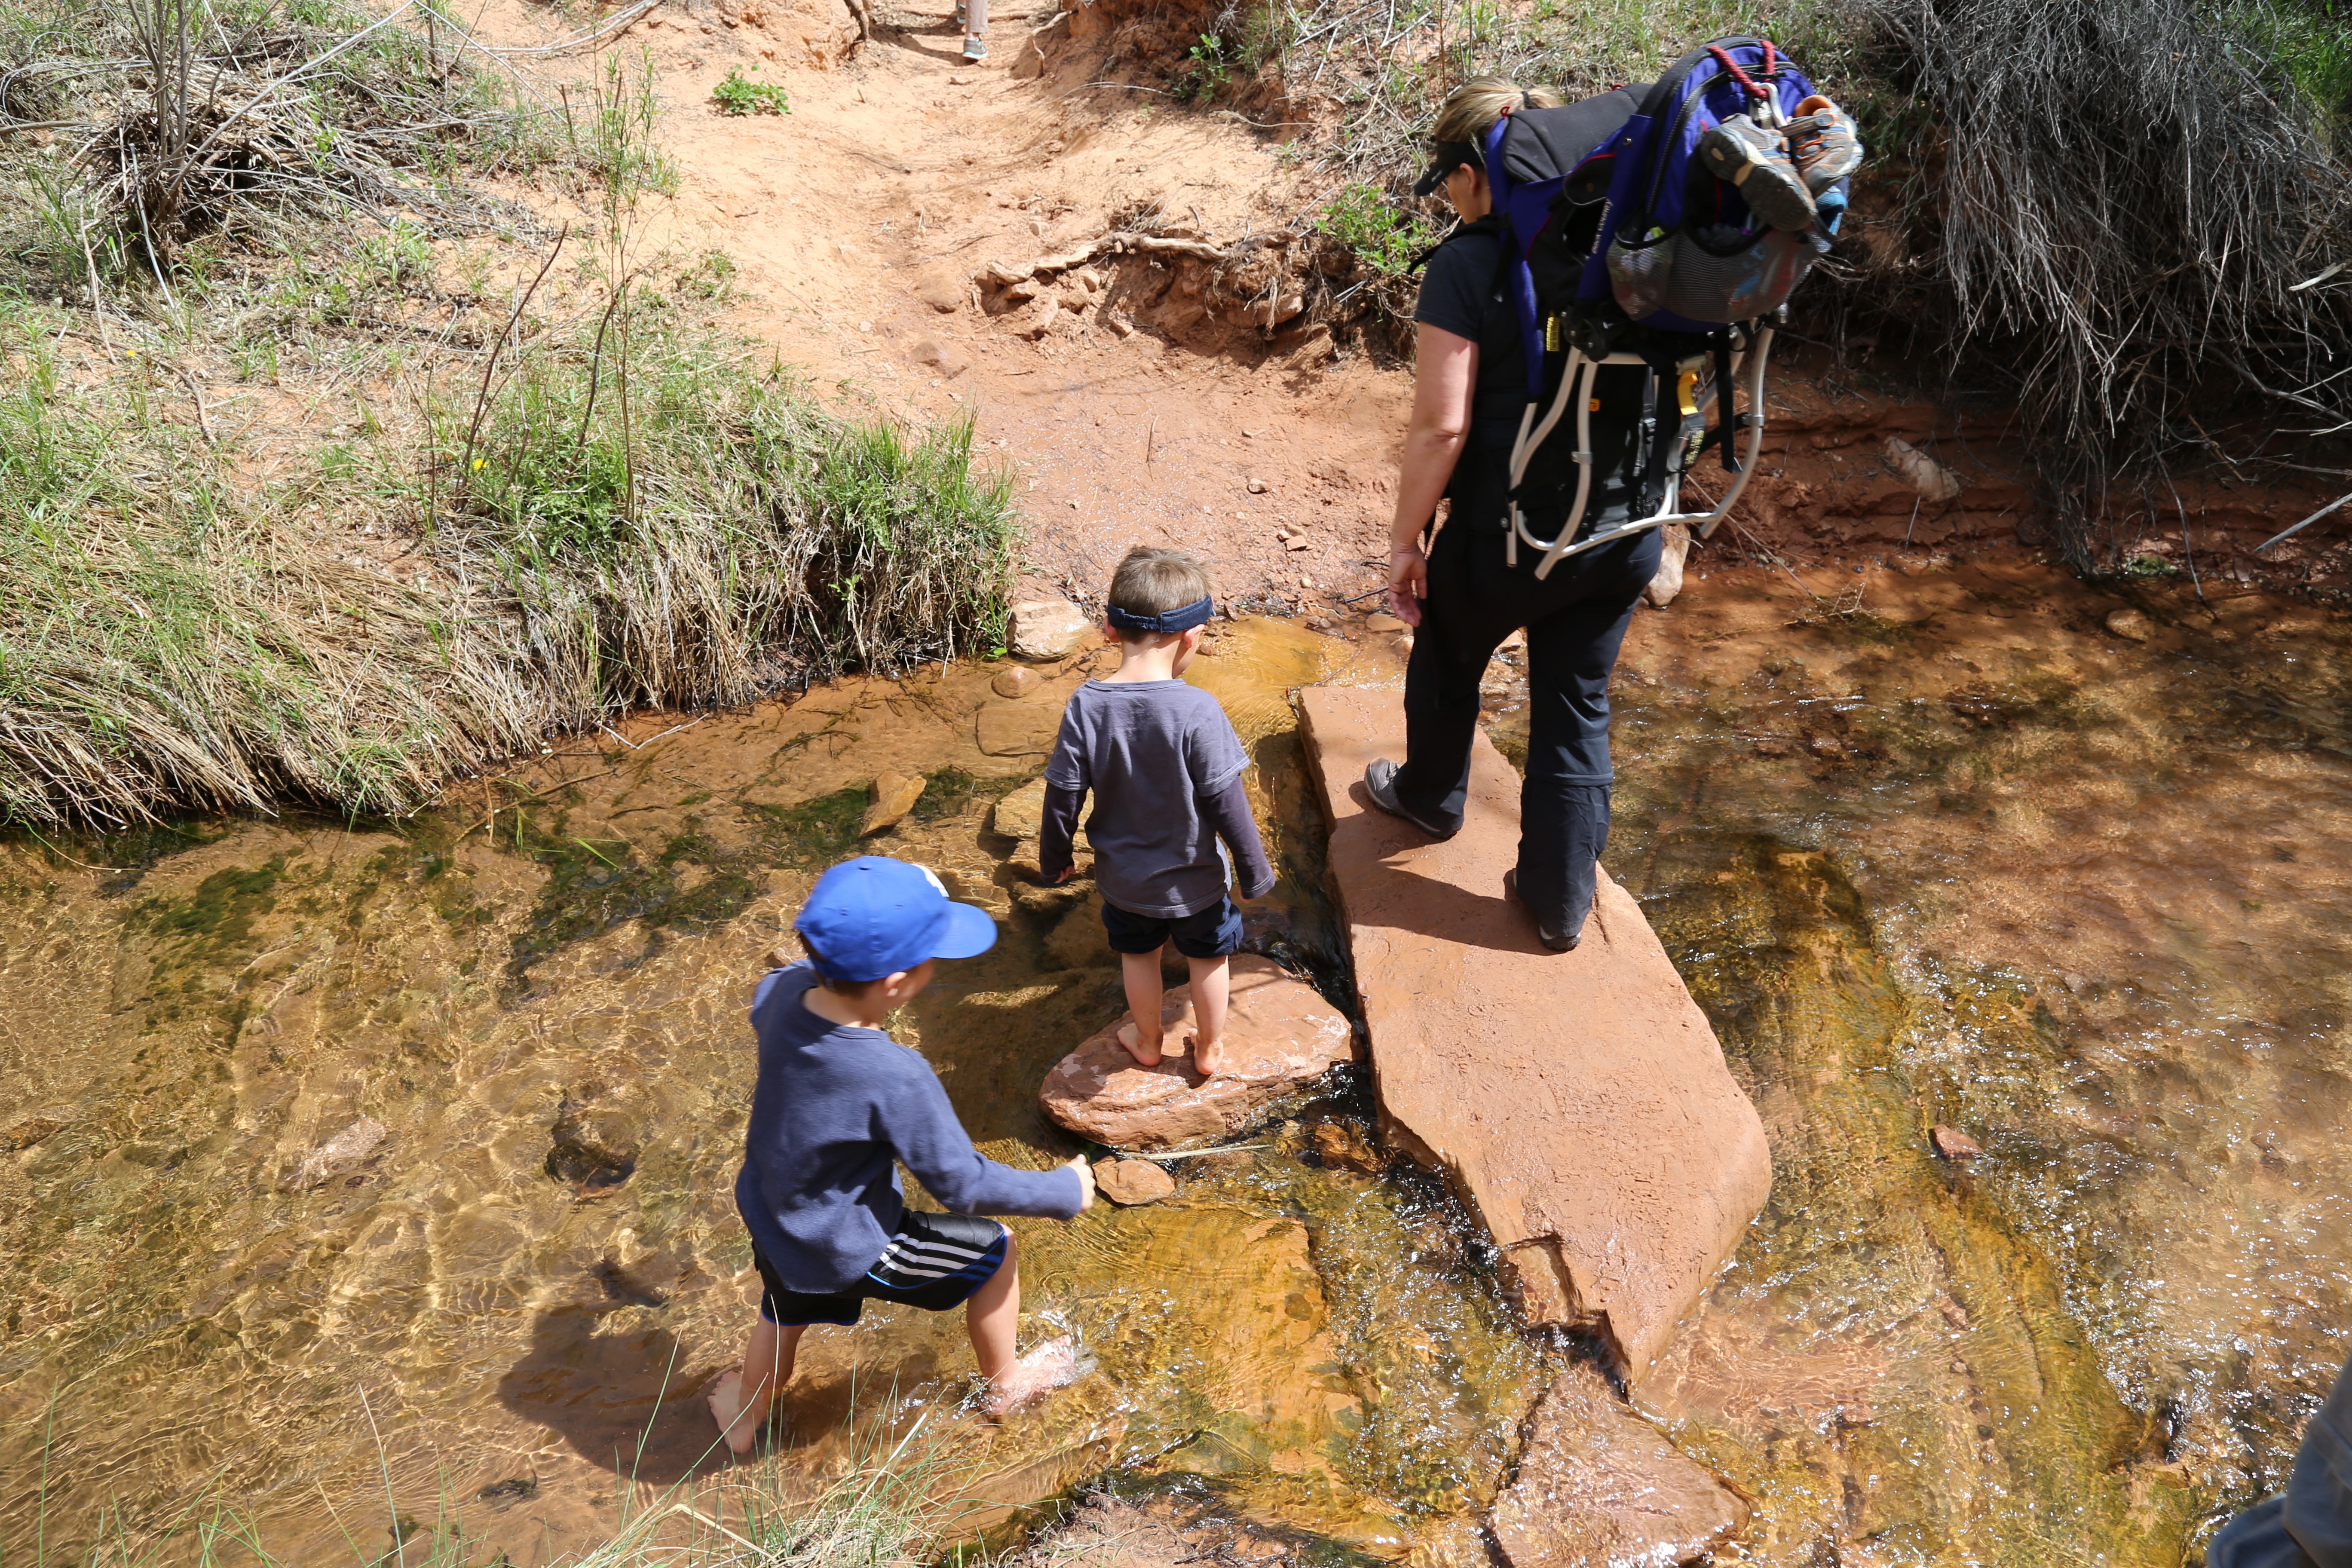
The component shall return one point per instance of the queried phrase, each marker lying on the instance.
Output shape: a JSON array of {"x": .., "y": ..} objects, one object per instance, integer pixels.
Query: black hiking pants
[{"x": 1575, "y": 621}]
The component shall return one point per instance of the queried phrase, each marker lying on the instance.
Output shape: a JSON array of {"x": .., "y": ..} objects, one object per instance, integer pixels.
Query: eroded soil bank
[{"x": 1962, "y": 856}]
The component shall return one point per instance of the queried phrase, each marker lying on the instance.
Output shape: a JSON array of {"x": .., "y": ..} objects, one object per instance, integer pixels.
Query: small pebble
[{"x": 1954, "y": 1144}]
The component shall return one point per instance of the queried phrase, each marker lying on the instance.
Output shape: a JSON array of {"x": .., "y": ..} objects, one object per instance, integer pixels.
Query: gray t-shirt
[{"x": 1150, "y": 749}]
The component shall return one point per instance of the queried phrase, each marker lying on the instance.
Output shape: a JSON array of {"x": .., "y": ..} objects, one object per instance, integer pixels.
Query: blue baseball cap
[{"x": 875, "y": 916}]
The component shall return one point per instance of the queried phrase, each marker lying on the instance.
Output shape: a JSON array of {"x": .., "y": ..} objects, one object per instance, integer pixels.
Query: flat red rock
[
  {"x": 1599, "y": 1487},
  {"x": 1279, "y": 1036},
  {"x": 1578, "y": 1100},
  {"x": 1954, "y": 1144}
]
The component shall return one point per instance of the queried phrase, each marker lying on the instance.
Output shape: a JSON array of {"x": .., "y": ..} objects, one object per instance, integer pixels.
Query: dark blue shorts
[
  {"x": 934, "y": 1261},
  {"x": 1213, "y": 932}
]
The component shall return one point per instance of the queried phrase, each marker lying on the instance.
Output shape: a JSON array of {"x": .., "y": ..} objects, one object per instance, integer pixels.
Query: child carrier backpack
[{"x": 1623, "y": 250}]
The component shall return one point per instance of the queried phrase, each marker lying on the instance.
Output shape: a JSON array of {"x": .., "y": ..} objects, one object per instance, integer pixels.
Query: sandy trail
[{"x": 856, "y": 223}]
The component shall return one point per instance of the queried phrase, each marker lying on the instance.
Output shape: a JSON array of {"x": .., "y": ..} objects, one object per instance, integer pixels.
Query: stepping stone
[
  {"x": 1598, "y": 1486},
  {"x": 1579, "y": 1102},
  {"x": 1279, "y": 1037}
]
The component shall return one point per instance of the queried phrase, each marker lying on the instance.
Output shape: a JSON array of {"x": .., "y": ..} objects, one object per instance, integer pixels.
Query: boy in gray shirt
[{"x": 1165, "y": 768}]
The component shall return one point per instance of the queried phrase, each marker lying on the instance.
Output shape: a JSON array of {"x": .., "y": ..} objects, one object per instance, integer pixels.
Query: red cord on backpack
[{"x": 1740, "y": 75}]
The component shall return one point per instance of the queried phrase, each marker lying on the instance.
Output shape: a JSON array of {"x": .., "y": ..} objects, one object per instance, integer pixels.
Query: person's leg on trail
[
  {"x": 975, "y": 30},
  {"x": 1564, "y": 801},
  {"x": 1145, "y": 993},
  {"x": 1460, "y": 630},
  {"x": 992, "y": 1318},
  {"x": 1212, "y": 982},
  {"x": 742, "y": 1400}
]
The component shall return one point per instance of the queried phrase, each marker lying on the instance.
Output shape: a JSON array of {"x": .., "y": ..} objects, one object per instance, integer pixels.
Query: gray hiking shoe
[
  {"x": 1380, "y": 782},
  {"x": 1823, "y": 143},
  {"x": 975, "y": 50},
  {"x": 1756, "y": 161},
  {"x": 1555, "y": 941}
]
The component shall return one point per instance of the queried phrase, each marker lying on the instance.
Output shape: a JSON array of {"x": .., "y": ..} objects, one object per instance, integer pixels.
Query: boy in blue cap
[{"x": 837, "y": 1102}]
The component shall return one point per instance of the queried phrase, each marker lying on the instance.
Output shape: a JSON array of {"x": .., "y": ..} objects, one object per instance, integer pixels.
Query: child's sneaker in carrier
[
  {"x": 1757, "y": 162},
  {"x": 1823, "y": 143}
]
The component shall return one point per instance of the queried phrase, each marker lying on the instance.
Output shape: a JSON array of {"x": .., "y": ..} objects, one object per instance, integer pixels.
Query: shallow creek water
[{"x": 1960, "y": 857}]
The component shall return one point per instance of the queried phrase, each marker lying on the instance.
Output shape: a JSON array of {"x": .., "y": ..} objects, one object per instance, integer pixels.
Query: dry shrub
[{"x": 2120, "y": 206}]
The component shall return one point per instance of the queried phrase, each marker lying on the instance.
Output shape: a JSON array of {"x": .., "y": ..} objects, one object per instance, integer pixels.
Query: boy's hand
[
  {"x": 1086, "y": 1181},
  {"x": 1063, "y": 875}
]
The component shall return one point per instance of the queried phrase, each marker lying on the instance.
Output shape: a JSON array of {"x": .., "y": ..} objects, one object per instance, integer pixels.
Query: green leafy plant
[
  {"x": 2151, "y": 566},
  {"x": 738, "y": 94},
  {"x": 1207, "y": 71},
  {"x": 1383, "y": 237}
]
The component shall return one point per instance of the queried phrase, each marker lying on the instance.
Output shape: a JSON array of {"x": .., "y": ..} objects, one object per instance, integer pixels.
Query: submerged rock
[
  {"x": 1578, "y": 1100},
  {"x": 2132, "y": 626},
  {"x": 894, "y": 797},
  {"x": 1017, "y": 729},
  {"x": 1599, "y": 1487},
  {"x": 1017, "y": 680},
  {"x": 36, "y": 1127},
  {"x": 1041, "y": 629},
  {"x": 1954, "y": 1144},
  {"x": 1133, "y": 1183},
  {"x": 336, "y": 1154},
  {"x": 1279, "y": 1036}
]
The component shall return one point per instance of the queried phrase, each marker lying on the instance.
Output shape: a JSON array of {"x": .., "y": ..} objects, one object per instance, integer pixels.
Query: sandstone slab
[
  {"x": 1598, "y": 1487},
  {"x": 1133, "y": 1183},
  {"x": 1022, "y": 814},
  {"x": 1019, "y": 729},
  {"x": 1577, "y": 1101},
  {"x": 894, "y": 797},
  {"x": 1046, "y": 628},
  {"x": 1279, "y": 1036}
]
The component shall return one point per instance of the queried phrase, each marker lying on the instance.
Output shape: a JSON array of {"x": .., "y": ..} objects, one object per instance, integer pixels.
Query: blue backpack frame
[{"x": 1593, "y": 289}]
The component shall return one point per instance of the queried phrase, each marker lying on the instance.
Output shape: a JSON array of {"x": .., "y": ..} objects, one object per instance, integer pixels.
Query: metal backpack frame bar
[{"x": 1576, "y": 380}]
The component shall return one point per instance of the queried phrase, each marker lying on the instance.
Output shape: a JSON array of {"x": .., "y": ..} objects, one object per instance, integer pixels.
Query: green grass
[
  {"x": 738, "y": 94},
  {"x": 2305, "y": 47},
  {"x": 173, "y": 635}
]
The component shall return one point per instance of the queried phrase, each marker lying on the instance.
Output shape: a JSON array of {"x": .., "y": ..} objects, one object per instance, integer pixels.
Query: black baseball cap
[{"x": 1445, "y": 157}]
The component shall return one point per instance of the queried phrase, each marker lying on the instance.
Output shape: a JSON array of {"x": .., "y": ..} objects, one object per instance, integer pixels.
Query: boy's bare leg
[
  {"x": 992, "y": 1316},
  {"x": 1213, "y": 984},
  {"x": 1144, "y": 996},
  {"x": 741, "y": 1402}
]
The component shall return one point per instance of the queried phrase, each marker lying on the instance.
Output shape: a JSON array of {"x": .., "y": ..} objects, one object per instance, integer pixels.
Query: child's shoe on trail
[
  {"x": 975, "y": 50},
  {"x": 1757, "y": 162},
  {"x": 1823, "y": 143}
]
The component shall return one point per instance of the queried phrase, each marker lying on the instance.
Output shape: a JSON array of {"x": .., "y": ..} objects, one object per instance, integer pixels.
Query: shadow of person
[
  {"x": 1434, "y": 907},
  {"x": 629, "y": 1403}
]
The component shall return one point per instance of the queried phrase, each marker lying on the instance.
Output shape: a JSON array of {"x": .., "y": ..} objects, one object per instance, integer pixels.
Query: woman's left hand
[{"x": 1408, "y": 582}]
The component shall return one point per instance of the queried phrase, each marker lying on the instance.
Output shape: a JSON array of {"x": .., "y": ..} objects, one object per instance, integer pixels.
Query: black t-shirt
[{"x": 1461, "y": 293}]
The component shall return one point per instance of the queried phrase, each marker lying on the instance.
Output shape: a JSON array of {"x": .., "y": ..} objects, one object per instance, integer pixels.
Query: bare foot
[
  {"x": 1130, "y": 1034},
  {"x": 1052, "y": 1366},
  {"x": 1208, "y": 1056},
  {"x": 737, "y": 1425}
]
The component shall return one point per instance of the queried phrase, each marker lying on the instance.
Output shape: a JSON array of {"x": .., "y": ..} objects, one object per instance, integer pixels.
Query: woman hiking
[{"x": 1462, "y": 590}]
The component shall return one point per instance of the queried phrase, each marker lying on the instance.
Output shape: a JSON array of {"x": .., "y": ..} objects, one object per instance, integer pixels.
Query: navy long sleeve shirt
[{"x": 834, "y": 1109}]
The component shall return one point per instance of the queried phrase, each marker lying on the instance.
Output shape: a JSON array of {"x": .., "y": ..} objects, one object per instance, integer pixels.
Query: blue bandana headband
[{"x": 1182, "y": 618}]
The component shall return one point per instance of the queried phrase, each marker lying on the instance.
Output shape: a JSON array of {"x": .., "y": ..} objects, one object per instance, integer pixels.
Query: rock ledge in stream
[
  {"x": 1598, "y": 1486},
  {"x": 1279, "y": 1036},
  {"x": 1579, "y": 1102}
]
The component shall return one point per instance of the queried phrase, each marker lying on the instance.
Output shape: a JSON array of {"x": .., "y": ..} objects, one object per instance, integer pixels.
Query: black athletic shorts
[
  {"x": 934, "y": 1261},
  {"x": 1213, "y": 932}
]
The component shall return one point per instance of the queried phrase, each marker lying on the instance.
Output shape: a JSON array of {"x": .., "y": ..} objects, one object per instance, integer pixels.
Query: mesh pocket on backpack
[{"x": 1682, "y": 274}]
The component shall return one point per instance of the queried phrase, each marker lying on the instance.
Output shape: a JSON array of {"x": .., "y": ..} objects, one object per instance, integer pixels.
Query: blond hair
[
  {"x": 1471, "y": 109},
  {"x": 1152, "y": 581}
]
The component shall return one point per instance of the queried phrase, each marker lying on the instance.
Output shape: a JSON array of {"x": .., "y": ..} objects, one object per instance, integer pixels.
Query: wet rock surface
[
  {"x": 1132, "y": 1183},
  {"x": 1598, "y": 1487},
  {"x": 894, "y": 797},
  {"x": 345, "y": 1151},
  {"x": 1580, "y": 1100},
  {"x": 1279, "y": 1037}
]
